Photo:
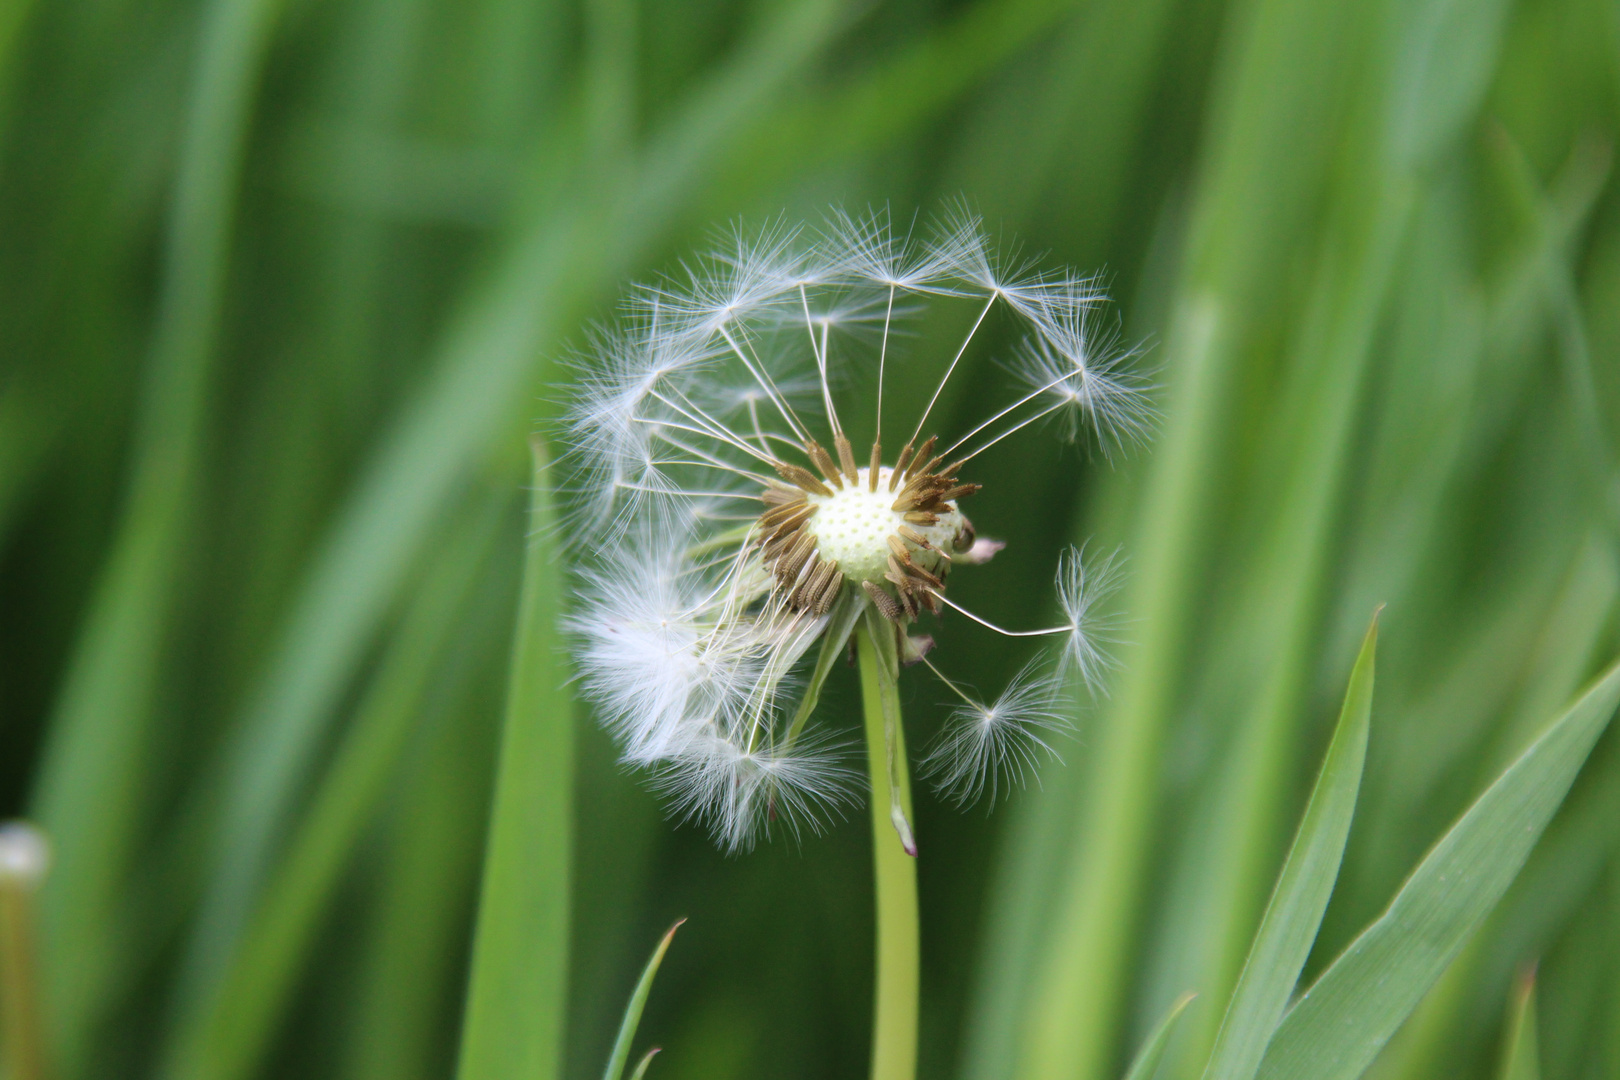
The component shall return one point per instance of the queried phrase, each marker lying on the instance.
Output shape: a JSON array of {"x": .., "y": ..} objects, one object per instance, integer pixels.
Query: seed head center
[{"x": 852, "y": 527}]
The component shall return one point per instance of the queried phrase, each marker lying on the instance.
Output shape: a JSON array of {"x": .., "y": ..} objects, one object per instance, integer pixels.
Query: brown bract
[{"x": 923, "y": 490}]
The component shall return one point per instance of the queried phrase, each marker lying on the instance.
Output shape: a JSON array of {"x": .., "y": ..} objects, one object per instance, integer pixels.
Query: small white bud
[{"x": 25, "y": 856}]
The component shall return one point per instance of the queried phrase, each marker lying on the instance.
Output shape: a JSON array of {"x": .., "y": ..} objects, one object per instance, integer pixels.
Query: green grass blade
[
  {"x": 1341, "y": 1023},
  {"x": 1295, "y": 913},
  {"x": 632, "y": 1013},
  {"x": 90, "y": 796},
  {"x": 1152, "y": 1052},
  {"x": 517, "y": 998},
  {"x": 1521, "y": 1058},
  {"x": 417, "y": 924},
  {"x": 230, "y": 1034},
  {"x": 646, "y": 1060}
]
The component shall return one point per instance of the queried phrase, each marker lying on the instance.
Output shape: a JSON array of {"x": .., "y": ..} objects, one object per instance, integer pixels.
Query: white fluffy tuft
[
  {"x": 986, "y": 746},
  {"x": 1083, "y": 591}
]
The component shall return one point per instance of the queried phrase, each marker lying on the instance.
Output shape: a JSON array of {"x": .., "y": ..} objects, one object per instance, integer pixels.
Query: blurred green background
[{"x": 286, "y": 286}]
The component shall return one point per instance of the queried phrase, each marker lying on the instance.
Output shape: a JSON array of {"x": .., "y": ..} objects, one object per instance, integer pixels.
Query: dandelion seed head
[
  {"x": 852, "y": 526},
  {"x": 728, "y": 521}
]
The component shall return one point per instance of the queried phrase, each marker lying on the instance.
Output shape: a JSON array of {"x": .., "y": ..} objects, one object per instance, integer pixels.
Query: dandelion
[
  {"x": 734, "y": 525},
  {"x": 737, "y": 539}
]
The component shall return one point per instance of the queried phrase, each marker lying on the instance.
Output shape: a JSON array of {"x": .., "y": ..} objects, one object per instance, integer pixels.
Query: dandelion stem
[
  {"x": 23, "y": 1052},
  {"x": 894, "y": 1014}
]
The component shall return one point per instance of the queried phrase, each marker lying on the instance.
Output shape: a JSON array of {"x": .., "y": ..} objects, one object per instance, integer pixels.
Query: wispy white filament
[
  {"x": 985, "y": 746},
  {"x": 687, "y": 645}
]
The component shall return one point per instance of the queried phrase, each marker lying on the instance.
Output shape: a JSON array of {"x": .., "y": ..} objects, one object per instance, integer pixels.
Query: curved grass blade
[
  {"x": 518, "y": 988},
  {"x": 632, "y": 1013},
  {"x": 1292, "y": 918},
  {"x": 1152, "y": 1052},
  {"x": 1341, "y": 1023},
  {"x": 646, "y": 1060},
  {"x": 1521, "y": 1056}
]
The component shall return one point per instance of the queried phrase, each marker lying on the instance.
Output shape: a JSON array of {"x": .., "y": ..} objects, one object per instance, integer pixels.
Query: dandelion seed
[
  {"x": 730, "y": 522},
  {"x": 1082, "y": 591},
  {"x": 985, "y": 746}
]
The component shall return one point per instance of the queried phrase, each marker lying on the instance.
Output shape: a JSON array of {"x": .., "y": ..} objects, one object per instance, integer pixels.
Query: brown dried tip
[
  {"x": 846, "y": 458},
  {"x": 793, "y": 560},
  {"x": 911, "y": 535},
  {"x": 779, "y": 494},
  {"x": 900, "y": 467},
  {"x": 808, "y": 594},
  {"x": 801, "y": 477},
  {"x": 924, "y": 454},
  {"x": 824, "y": 462},
  {"x": 786, "y": 519},
  {"x": 829, "y": 592},
  {"x": 887, "y": 605}
]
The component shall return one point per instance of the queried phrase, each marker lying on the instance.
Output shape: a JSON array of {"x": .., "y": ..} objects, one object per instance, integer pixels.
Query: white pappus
[{"x": 727, "y": 524}]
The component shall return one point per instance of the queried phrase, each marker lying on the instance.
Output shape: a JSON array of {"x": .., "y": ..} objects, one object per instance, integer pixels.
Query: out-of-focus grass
[{"x": 285, "y": 288}]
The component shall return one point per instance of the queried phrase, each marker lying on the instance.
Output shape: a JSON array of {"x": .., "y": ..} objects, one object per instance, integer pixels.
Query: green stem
[
  {"x": 894, "y": 1021},
  {"x": 22, "y": 1034}
]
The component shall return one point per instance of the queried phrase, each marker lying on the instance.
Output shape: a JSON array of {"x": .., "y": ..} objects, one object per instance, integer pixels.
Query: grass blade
[
  {"x": 1521, "y": 1058},
  {"x": 646, "y": 1060},
  {"x": 518, "y": 993},
  {"x": 412, "y": 971},
  {"x": 1152, "y": 1052},
  {"x": 90, "y": 795},
  {"x": 1341, "y": 1023},
  {"x": 632, "y": 1013},
  {"x": 1284, "y": 939},
  {"x": 232, "y": 1031}
]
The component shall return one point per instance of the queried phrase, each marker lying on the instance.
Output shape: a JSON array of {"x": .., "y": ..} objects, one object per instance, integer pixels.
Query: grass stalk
[
  {"x": 23, "y": 1053},
  {"x": 516, "y": 1000},
  {"x": 89, "y": 794},
  {"x": 237, "y": 1023},
  {"x": 894, "y": 1014}
]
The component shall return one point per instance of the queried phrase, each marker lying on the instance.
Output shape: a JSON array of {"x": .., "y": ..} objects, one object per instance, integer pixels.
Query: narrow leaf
[
  {"x": 632, "y": 1013},
  {"x": 1521, "y": 1058},
  {"x": 231, "y": 1031},
  {"x": 518, "y": 990},
  {"x": 1152, "y": 1052},
  {"x": 1289, "y": 927},
  {"x": 646, "y": 1060},
  {"x": 1342, "y": 1022},
  {"x": 833, "y": 641}
]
